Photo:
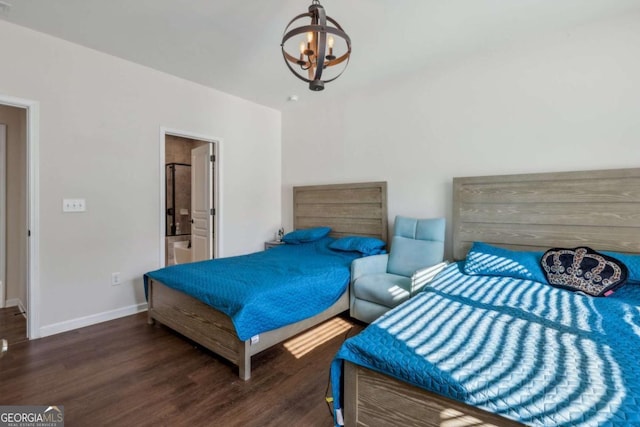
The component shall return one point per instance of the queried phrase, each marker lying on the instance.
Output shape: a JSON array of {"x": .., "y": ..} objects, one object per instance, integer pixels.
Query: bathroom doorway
[
  {"x": 16, "y": 145},
  {"x": 13, "y": 224},
  {"x": 3, "y": 211},
  {"x": 189, "y": 197}
]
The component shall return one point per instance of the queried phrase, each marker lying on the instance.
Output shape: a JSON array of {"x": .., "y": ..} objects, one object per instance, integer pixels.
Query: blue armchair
[{"x": 381, "y": 282}]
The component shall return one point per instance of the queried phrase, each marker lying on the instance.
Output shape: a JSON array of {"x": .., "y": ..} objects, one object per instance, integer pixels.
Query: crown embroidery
[{"x": 582, "y": 269}]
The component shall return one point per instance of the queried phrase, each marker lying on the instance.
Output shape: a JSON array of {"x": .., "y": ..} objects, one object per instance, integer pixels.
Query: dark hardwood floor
[
  {"x": 127, "y": 373},
  {"x": 13, "y": 325}
]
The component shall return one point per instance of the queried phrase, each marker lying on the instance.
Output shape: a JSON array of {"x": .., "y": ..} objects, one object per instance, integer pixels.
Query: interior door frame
[
  {"x": 3, "y": 214},
  {"x": 217, "y": 189},
  {"x": 33, "y": 209}
]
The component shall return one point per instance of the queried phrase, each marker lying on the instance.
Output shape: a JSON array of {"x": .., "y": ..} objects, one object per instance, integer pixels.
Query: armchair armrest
[
  {"x": 369, "y": 265},
  {"x": 423, "y": 276}
]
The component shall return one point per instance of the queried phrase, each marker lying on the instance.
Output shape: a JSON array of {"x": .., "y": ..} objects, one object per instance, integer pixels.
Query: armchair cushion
[
  {"x": 382, "y": 288},
  {"x": 417, "y": 243},
  {"x": 369, "y": 265}
]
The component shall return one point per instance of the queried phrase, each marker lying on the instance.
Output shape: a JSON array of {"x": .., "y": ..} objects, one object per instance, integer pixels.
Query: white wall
[
  {"x": 100, "y": 118},
  {"x": 567, "y": 101}
]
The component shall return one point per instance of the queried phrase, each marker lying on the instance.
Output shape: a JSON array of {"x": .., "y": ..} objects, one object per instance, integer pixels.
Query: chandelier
[{"x": 322, "y": 45}]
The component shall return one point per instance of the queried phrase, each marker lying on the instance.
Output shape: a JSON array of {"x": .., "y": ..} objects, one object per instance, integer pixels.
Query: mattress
[
  {"x": 265, "y": 290},
  {"x": 525, "y": 350}
]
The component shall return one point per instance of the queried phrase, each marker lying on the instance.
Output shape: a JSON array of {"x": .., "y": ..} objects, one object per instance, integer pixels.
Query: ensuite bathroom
[{"x": 178, "y": 198}]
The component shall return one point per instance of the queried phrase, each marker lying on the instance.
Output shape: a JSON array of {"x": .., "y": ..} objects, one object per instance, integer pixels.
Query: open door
[{"x": 202, "y": 202}]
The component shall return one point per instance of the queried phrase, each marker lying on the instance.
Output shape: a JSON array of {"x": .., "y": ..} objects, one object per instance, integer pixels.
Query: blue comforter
[
  {"x": 266, "y": 290},
  {"x": 525, "y": 350}
]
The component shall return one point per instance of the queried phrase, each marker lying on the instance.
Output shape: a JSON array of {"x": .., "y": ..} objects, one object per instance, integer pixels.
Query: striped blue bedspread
[
  {"x": 265, "y": 290},
  {"x": 525, "y": 350}
]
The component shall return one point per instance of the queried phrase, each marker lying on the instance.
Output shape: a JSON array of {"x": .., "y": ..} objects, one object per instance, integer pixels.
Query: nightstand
[{"x": 272, "y": 244}]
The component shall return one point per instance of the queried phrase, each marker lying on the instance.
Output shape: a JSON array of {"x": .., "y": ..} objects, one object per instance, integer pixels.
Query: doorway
[
  {"x": 189, "y": 205},
  {"x": 18, "y": 219},
  {"x": 13, "y": 221},
  {"x": 3, "y": 212}
]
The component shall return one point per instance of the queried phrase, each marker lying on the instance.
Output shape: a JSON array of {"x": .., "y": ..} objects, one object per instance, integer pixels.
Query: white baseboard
[
  {"x": 13, "y": 302},
  {"x": 81, "y": 322},
  {"x": 22, "y": 309}
]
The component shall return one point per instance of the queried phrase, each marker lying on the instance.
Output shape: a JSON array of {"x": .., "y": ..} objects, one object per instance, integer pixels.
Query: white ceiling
[{"x": 234, "y": 45}]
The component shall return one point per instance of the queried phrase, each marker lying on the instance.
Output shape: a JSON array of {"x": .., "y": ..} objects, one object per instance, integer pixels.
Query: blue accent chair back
[
  {"x": 381, "y": 282},
  {"x": 416, "y": 243}
]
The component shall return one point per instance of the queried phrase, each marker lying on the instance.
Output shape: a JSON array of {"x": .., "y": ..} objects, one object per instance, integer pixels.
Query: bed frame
[
  {"x": 600, "y": 209},
  {"x": 349, "y": 209}
]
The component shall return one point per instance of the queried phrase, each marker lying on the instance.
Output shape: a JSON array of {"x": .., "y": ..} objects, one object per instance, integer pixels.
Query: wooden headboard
[
  {"x": 349, "y": 209},
  {"x": 600, "y": 209}
]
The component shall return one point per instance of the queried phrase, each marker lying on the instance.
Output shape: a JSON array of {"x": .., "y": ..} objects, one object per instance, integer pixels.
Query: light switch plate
[{"x": 74, "y": 205}]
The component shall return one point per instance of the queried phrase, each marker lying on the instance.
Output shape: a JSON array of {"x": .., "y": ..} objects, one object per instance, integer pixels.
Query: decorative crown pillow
[
  {"x": 632, "y": 261},
  {"x": 305, "y": 235},
  {"x": 583, "y": 269}
]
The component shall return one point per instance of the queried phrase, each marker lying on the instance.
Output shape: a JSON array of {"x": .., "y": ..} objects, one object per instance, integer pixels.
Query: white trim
[
  {"x": 217, "y": 197},
  {"x": 163, "y": 196},
  {"x": 81, "y": 322},
  {"x": 13, "y": 302},
  {"x": 22, "y": 309},
  {"x": 3, "y": 214},
  {"x": 217, "y": 174},
  {"x": 33, "y": 210}
]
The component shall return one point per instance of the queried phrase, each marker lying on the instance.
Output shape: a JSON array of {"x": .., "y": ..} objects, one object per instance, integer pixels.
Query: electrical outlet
[{"x": 115, "y": 279}]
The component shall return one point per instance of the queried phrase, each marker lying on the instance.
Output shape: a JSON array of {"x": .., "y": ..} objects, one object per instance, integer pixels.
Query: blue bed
[
  {"x": 527, "y": 351},
  {"x": 503, "y": 349},
  {"x": 266, "y": 290},
  {"x": 265, "y": 298}
]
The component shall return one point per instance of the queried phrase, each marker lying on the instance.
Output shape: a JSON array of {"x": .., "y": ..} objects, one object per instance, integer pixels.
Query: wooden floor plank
[
  {"x": 125, "y": 372},
  {"x": 13, "y": 325}
]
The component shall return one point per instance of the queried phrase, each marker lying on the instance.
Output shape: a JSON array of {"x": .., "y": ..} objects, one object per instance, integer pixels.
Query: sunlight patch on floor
[
  {"x": 454, "y": 418},
  {"x": 307, "y": 341}
]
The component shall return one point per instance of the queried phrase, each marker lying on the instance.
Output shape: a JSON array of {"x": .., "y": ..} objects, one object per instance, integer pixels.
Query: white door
[
  {"x": 3, "y": 211},
  {"x": 202, "y": 203}
]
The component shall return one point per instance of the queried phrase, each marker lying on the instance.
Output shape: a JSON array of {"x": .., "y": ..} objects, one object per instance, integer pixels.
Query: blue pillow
[
  {"x": 631, "y": 261},
  {"x": 487, "y": 260},
  {"x": 306, "y": 235},
  {"x": 364, "y": 245}
]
